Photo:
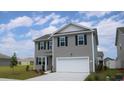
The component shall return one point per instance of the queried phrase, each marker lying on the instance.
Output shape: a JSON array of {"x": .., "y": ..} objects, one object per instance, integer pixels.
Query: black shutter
[
  {"x": 76, "y": 40},
  {"x": 85, "y": 39},
  {"x": 48, "y": 45},
  {"x": 44, "y": 44},
  {"x": 38, "y": 45},
  {"x": 66, "y": 41},
  {"x": 58, "y": 41}
]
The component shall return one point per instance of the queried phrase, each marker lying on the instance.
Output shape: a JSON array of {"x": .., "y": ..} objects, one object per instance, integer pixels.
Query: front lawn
[
  {"x": 101, "y": 76},
  {"x": 19, "y": 73}
]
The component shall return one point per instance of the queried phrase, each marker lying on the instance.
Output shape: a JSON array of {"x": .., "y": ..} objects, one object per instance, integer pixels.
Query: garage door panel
[{"x": 72, "y": 64}]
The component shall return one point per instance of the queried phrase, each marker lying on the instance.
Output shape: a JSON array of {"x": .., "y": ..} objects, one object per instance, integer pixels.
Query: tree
[{"x": 13, "y": 61}]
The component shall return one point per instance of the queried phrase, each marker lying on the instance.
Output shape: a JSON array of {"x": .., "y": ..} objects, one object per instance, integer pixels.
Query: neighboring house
[
  {"x": 120, "y": 46},
  {"x": 108, "y": 59},
  {"x": 101, "y": 57},
  {"x": 110, "y": 63},
  {"x": 5, "y": 60},
  {"x": 72, "y": 48},
  {"x": 26, "y": 61}
]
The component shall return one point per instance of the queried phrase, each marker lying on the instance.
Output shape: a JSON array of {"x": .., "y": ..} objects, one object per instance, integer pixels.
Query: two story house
[
  {"x": 120, "y": 46},
  {"x": 72, "y": 48}
]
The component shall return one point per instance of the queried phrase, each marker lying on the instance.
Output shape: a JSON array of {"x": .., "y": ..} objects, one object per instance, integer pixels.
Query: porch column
[{"x": 45, "y": 63}]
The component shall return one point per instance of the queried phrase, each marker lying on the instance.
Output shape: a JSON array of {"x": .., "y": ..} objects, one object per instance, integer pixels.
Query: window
[
  {"x": 38, "y": 61},
  {"x": 42, "y": 45},
  {"x": 50, "y": 45},
  {"x": 81, "y": 39},
  {"x": 62, "y": 41}
]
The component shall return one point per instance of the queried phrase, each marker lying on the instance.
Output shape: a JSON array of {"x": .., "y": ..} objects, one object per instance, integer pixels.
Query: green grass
[
  {"x": 19, "y": 73},
  {"x": 102, "y": 74}
]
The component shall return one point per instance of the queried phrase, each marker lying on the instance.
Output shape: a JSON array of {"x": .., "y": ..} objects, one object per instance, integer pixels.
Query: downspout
[
  {"x": 53, "y": 66},
  {"x": 93, "y": 52}
]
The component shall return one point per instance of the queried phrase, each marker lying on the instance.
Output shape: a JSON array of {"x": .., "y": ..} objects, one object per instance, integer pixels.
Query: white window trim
[
  {"x": 62, "y": 41},
  {"x": 79, "y": 39}
]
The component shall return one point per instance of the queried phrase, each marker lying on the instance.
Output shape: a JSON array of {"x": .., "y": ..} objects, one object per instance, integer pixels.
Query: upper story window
[
  {"x": 81, "y": 39},
  {"x": 49, "y": 44},
  {"x": 41, "y": 45},
  {"x": 62, "y": 41}
]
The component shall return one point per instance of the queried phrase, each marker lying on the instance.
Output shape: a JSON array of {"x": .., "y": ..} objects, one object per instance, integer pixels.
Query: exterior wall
[
  {"x": 74, "y": 51},
  {"x": 5, "y": 62},
  {"x": 40, "y": 53},
  {"x": 120, "y": 51},
  {"x": 111, "y": 64}
]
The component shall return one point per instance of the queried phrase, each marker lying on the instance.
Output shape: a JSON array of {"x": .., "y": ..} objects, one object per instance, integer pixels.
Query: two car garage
[{"x": 72, "y": 64}]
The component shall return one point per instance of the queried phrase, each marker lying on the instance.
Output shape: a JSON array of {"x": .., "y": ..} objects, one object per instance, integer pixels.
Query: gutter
[{"x": 93, "y": 52}]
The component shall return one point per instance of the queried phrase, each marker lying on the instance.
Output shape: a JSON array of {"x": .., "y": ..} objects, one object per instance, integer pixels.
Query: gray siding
[
  {"x": 4, "y": 62},
  {"x": 74, "y": 51},
  {"x": 40, "y": 53},
  {"x": 120, "y": 52}
]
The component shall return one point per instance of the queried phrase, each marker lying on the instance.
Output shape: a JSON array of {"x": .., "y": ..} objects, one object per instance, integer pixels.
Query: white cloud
[
  {"x": 87, "y": 24},
  {"x": 17, "y": 22},
  {"x": 54, "y": 18},
  {"x": 41, "y": 20},
  {"x": 95, "y": 13},
  {"x": 100, "y": 48},
  {"x": 23, "y": 48},
  {"x": 37, "y": 33},
  {"x": 58, "y": 20}
]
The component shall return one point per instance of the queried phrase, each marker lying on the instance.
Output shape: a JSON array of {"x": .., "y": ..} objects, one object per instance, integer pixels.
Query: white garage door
[{"x": 72, "y": 64}]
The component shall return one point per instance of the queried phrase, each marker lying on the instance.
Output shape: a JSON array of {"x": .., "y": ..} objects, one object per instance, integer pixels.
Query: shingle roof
[
  {"x": 45, "y": 37},
  {"x": 2, "y": 56},
  {"x": 108, "y": 58}
]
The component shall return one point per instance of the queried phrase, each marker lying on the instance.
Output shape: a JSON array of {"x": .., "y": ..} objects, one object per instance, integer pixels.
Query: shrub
[
  {"x": 105, "y": 68},
  {"x": 96, "y": 77},
  {"x": 89, "y": 79},
  {"x": 27, "y": 68}
]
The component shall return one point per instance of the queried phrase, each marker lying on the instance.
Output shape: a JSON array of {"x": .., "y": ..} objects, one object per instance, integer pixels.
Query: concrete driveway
[{"x": 61, "y": 77}]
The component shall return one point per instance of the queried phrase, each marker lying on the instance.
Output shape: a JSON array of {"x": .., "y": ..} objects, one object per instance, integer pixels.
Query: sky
[{"x": 19, "y": 29}]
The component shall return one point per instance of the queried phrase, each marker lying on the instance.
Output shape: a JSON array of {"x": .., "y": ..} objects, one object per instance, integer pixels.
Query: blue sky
[{"x": 18, "y": 29}]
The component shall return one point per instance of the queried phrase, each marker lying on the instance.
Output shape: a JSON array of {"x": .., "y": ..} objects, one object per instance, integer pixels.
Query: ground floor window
[{"x": 40, "y": 60}]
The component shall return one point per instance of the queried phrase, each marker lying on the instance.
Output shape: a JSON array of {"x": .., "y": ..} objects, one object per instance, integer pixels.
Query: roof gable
[
  {"x": 44, "y": 37},
  {"x": 72, "y": 27}
]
